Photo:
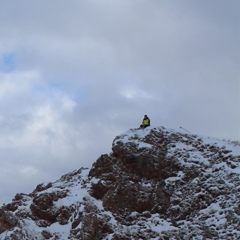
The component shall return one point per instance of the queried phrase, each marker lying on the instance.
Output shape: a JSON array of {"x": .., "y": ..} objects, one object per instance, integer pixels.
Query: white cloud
[
  {"x": 84, "y": 71},
  {"x": 133, "y": 93},
  {"x": 16, "y": 82}
]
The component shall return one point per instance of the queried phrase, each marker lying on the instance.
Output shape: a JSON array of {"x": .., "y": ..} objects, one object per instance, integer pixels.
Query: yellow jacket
[{"x": 146, "y": 122}]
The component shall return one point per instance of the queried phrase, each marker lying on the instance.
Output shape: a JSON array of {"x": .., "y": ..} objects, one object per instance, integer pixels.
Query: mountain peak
[{"x": 156, "y": 183}]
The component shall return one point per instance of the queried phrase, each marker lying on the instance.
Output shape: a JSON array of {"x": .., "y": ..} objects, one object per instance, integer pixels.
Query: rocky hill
[{"x": 156, "y": 184}]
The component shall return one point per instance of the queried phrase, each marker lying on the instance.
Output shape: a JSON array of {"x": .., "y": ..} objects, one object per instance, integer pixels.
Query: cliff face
[{"x": 155, "y": 184}]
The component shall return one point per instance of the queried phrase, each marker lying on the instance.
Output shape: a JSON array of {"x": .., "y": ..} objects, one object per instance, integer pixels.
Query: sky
[{"x": 75, "y": 74}]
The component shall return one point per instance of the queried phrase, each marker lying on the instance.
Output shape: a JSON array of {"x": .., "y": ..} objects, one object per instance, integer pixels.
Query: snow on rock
[{"x": 156, "y": 184}]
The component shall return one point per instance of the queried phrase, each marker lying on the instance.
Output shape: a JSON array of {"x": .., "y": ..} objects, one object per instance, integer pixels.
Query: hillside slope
[{"x": 156, "y": 183}]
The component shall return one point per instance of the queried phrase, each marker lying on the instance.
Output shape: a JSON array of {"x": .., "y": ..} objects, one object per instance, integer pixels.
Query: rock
[
  {"x": 155, "y": 184},
  {"x": 7, "y": 220}
]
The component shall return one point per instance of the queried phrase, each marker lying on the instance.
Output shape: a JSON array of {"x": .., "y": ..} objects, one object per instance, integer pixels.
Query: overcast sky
[{"x": 74, "y": 74}]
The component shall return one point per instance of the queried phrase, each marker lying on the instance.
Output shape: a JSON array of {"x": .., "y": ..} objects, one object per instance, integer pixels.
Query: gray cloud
[{"x": 75, "y": 74}]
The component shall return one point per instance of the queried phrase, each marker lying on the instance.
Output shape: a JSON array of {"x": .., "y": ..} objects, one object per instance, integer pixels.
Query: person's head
[{"x": 145, "y": 116}]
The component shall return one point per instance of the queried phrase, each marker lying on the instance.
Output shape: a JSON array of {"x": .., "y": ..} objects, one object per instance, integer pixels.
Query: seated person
[{"x": 145, "y": 122}]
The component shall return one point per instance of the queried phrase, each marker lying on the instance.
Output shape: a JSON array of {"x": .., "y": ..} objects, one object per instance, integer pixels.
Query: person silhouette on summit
[{"x": 145, "y": 122}]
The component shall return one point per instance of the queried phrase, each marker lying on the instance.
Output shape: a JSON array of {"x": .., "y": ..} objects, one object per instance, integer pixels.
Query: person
[{"x": 145, "y": 122}]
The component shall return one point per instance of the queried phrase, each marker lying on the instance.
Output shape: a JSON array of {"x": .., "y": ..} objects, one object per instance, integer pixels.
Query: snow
[
  {"x": 191, "y": 151},
  {"x": 236, "y": 170},
  {"x": 171, "y": 179},
  {"x": 136, "y": 136},
  {"x": 62, "y": 230}
]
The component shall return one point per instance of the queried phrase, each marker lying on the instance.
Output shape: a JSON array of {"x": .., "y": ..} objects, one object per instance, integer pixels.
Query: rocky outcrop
[
  {"x": 155, "y": 184},
  {"x": 134, "y": 174},
  {"x": 7, "y": 220}
]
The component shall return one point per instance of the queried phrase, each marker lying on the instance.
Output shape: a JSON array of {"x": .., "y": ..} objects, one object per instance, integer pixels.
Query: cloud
[{"x": 75, "y": 74}]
